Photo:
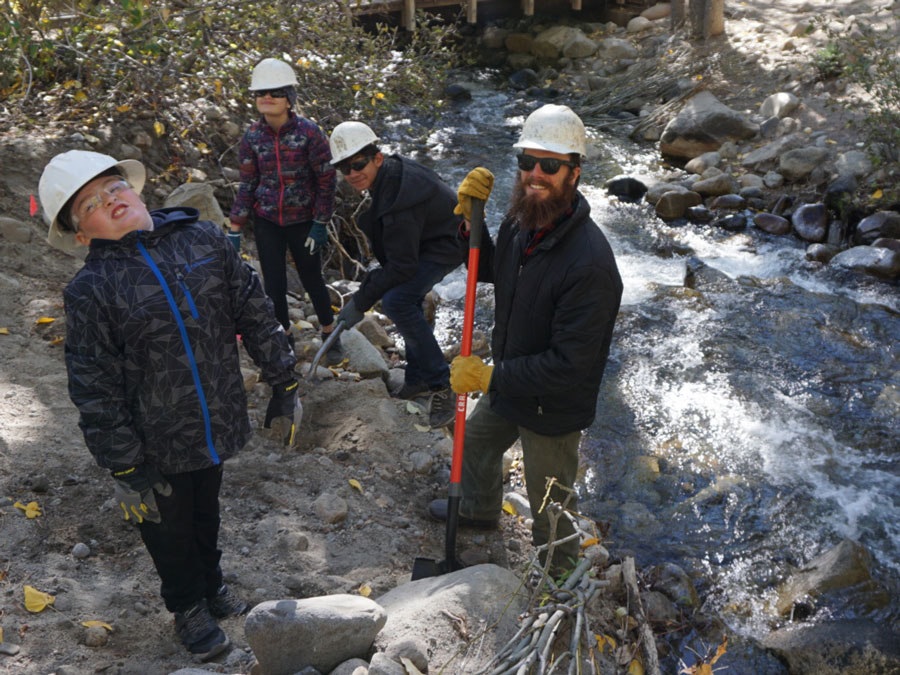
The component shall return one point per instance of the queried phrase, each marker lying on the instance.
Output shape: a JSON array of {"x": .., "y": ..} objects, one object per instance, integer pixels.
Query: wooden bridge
[{"x": 407, "y": 8}]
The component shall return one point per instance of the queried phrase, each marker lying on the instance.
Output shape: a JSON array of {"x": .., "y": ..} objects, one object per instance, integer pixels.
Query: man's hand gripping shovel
[{"x": 426, "y": 567}]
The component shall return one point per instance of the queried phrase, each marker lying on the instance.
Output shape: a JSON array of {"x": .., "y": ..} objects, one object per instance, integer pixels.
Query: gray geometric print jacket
[{"x": 151, "y": 347}]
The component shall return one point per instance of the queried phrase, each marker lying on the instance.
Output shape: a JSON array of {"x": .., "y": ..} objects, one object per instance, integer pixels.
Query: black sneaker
[
  {"x": 225, "y": 603},
  {"x": 200, "y": 633},
  {"x": 410, "y": 390},
  {"x": 334, "y": 355},
  {"x": 443, "y": 408}
]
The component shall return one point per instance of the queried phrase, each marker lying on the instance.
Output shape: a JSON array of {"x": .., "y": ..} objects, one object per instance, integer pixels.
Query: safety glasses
[
  {"x": 274, "y": 93},
  {"x": 87, "y": 206},
  {"x": 347, "y": 165},
  {"x": 549, "y": 165}
]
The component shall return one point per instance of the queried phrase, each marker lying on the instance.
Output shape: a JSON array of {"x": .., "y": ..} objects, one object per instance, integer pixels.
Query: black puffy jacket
[
  {"x": 411, "y": 218},
  {"x": 151, "y": 345},
  {"x": 554, "y": 316}
]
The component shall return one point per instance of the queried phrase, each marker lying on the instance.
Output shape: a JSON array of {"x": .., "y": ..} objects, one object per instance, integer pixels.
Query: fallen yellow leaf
[
  {"x": 1, "y": 635},
  {"x": 159, "y": 129},
  {"x": 603, "y": 641},
  {"x": 88, "y": 624},
  {"x": 878, "y": 194},
  {"x": 509, "y": 508},
  {"x": 635, "y": 668},
  {"x": 413, "y": 409},
  {"x": 355, "y": 485},
  {"x": 4, "y": 331},
  {"x": 37, "y": 601},
  {"x": 421, "y": 427},
  {"x": 80, "y": 96},
  {"x": 125, "y": 107},
  {"x": 31, "y": 509},
  {"x": 365, "y": 590},
  {"x": 719, "y": 652},
  {"x": 45, "y": 319},
  {"x": 590, "y": 542},
  {"x": 57, "y": 340}
]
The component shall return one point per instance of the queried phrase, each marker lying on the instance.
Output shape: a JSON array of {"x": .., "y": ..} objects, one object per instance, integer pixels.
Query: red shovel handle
[{"x": 477, "y": 222}]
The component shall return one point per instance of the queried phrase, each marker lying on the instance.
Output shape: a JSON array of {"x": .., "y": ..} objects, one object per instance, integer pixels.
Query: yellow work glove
[
  {"x": 477, "y": 184},
  {"x": 469, "y": 373}
]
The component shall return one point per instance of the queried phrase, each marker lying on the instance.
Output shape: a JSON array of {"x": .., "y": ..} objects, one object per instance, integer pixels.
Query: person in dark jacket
[
  {"x": 413, "y": 229},
  {"x": 287, "y": 190},
  {"x": 557, "y": 292},
  {"x": 154, "y": 369}
]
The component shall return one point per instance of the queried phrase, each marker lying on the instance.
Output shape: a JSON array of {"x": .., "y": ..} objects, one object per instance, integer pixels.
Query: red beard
[{"x": 534, "y": 211}]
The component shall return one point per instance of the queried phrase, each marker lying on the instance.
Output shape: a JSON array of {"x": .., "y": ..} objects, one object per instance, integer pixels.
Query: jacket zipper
[
  {"x": 192, "y": 362},
  {"x": 280, "y": 180},
  {"x": 187, "y": 294}
]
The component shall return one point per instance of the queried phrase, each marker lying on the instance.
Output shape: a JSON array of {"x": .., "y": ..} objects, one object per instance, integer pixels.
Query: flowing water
[{"x": 766, "y": 387}]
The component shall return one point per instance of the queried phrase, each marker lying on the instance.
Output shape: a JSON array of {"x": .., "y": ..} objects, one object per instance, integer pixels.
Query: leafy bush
[{"x": 100, "y": 59}]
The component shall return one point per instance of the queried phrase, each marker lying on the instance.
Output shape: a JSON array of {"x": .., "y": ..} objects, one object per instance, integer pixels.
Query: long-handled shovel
[{"x": 426, "y": 567}]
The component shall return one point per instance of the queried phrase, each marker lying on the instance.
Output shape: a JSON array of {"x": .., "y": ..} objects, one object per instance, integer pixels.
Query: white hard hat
[
  {"x": 66, "y": 174},
  {"x": 554, "y": 128},
  {"x": 272, "y": 74},
  {"x": 348, "y": 138}
]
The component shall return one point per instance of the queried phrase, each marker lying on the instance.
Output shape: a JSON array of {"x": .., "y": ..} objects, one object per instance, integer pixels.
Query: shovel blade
[
  {"x": 427, "y": 567},
  {"x": 424, "y": 568}
]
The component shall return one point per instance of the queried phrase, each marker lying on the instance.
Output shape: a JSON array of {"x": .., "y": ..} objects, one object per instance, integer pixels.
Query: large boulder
[
  {"x": 364, "y": 357},
  {"x": 200, "y": 196},
  {"x": 288, "y": 635},
  {"x": 810, "y": 221},
  {"x": 485, "y": 595},
  {"x": 617, "y": 49},
  {"x": 840, "y": 567},
  {"x": 845, "y": 647},
  {"x": 551, "y": 43},
  {"x": 880, "y": 262},
  {"x": 799, "y": 163},
  {"x": 879, "y": 224},
  {"x": 703, "y": 124}
]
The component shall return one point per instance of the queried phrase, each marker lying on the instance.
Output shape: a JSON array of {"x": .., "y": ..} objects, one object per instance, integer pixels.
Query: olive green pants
[{"x": 488, "y": 436}]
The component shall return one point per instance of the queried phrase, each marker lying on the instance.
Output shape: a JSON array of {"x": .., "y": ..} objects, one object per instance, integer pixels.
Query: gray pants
[{"x": 488, "y": 436}]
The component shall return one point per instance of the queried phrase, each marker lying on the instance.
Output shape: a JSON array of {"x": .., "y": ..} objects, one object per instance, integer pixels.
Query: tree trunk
[{"x": 707, "y": 18}]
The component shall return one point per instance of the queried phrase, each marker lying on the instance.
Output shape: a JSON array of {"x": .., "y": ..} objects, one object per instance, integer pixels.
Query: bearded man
[{"x": 557, "y": 292}]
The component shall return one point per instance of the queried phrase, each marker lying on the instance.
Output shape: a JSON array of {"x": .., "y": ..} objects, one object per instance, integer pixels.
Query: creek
[{"x": 764, "y": 387}]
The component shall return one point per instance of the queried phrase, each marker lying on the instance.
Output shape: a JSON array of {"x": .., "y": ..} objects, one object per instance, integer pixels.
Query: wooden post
[
  {"x": 472, "y": 11},
  {"x": 528, "y": 7},
  {"x": 409, "y": 15},
  {"x": 576, "y": 4}
]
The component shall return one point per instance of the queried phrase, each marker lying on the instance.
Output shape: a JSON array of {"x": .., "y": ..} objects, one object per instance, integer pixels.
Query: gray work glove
[
  {"x": 134, "y": 492},
  {"x": 350, "y": 315}
]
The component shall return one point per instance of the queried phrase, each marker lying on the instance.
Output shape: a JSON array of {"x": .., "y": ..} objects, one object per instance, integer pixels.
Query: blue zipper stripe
[
  {"x": 190, "y": 299},
  {"x": 187, "y": 347}
]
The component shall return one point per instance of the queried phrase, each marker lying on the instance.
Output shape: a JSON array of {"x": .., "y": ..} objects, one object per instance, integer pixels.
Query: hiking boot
[
  {"x": 437, "y": 510},
  {"x": 200, "y": 633},
  {"x": 410, "y": 390},
  {"x": 225, "y": 603},
  {"x": 443, "y": 408},
  {"x": 334, "y": 355}
]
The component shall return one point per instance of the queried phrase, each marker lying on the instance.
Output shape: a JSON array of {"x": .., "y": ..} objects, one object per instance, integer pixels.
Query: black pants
[
  {"x": 272, "y": 242},
  {"x": 184, "y": 546}
]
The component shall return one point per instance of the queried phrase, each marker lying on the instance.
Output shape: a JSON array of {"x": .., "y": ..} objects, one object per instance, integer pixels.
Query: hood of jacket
[{"x": 402, "y": 183}]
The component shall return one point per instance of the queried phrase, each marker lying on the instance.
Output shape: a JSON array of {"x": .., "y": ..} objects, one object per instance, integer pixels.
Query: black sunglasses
[
  {"x": 274, "y": 93},
  {"x": 347, "y": 166},
  {"x": 549, "y": 165}
]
